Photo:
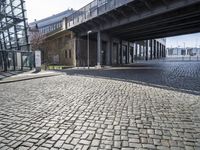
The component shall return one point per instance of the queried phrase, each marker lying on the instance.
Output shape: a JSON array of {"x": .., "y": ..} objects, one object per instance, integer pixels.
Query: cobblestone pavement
[
  {"x": 182, "y": 76},
  {"x": 81, "y": 112}
]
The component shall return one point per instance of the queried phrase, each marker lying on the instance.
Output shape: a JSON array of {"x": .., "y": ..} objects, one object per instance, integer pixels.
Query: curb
[{"x": 25, "y": 79}]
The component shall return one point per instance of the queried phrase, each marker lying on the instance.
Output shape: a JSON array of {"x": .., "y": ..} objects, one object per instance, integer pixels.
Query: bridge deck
[{"x": 94, "y": 9}]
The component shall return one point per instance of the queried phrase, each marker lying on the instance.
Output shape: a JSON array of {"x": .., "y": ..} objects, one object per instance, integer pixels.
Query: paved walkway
[
  {"x": 4, "y": 75},
  {"x": 15, "y": 76},
  {"x": 92, "y": 110}
]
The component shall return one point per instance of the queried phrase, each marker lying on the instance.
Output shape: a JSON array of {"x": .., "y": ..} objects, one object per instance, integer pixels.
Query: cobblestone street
[{"x": 143, "y": 107}]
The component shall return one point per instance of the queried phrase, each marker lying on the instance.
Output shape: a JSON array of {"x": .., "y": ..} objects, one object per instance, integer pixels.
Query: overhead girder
[
  {"x": 164, "y": 30},
  {"x": 167, "y": 33},
  {"x": 133, "y": 20},
  {"x": 153, "y": 22}
]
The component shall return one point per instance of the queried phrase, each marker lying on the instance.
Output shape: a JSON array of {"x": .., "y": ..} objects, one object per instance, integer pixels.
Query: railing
[{"x": 94, "y": 9}]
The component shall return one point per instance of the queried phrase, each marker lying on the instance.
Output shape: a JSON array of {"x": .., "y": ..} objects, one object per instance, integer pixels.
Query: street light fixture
[{"x": 88, "y": 48}]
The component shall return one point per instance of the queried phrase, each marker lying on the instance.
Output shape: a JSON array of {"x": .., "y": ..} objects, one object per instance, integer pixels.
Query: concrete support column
[
  {"x": 144, "y": 50},
  {"x": 118, "y": 53},
  {"x": 160, "y": 50},
  {"x": 147, "y": 50},
  {"x": 155, "y": 49},
  {"x": 111, "y": 50},
  {"x": 128, "y": 53},
  {"x": 132, "y": 61},
  {"x": 121, "y": 52},
  {"x": 151, "y": 49},
  {"x": 165, "y": 51},
  {"x": 186, "y": 51},
  {"x": 108, "y": 52},
  {"x": 136, "y": 51},
  {"x": 140, "y": 51},
  {"x": 99, "y": 48}
]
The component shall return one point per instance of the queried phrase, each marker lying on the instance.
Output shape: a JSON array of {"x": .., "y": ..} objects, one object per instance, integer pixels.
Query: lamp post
[{"x": 88, "y": 49}]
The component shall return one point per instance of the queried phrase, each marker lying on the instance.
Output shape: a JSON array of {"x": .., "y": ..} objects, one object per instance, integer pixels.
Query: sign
[{"x": 37, "y": 59}]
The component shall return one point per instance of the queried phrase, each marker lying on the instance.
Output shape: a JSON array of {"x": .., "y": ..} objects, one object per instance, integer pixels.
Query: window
[
  {"x": 70, "y": 53},
  {"x": 66, "y": 54}
]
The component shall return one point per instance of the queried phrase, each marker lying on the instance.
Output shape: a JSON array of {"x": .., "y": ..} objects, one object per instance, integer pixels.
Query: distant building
[
  {"x": 52, "y": 23},
  {"x": 183, "y": 51}
]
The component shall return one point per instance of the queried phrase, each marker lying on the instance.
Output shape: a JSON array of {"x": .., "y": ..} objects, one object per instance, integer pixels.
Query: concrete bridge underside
[{"x": 141, "y": 20}]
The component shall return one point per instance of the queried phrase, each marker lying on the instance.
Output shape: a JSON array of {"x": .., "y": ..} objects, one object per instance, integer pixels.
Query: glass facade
[{"x": 13, "y": 35}]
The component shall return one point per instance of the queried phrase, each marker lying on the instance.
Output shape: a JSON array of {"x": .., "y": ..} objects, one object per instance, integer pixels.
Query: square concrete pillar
[
  {"x": 155, "y": 49},
  {"x": 108, "y": 52},
  {"x": 160, "y": 50},
  {"x": 147, "y": 50},
  {"x": 165, "y": 52},
  {"x": 128, "y": 53},
  {"x": 140, "y": 51},
  {"x": 136, "y": 51},
  {"x": 121, "y": 53},
  {"x": 151, "y": 49},
  {"x": 99, "y": 49}
]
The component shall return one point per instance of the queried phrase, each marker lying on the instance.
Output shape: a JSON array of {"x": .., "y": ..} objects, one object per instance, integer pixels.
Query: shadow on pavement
[
  {"x": 178, "y": 76},
  {"x": 4, "y": 75}
]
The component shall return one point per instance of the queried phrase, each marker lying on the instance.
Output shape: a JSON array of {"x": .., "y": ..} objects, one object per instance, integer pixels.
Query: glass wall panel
[{"x": 13, "y": 32}]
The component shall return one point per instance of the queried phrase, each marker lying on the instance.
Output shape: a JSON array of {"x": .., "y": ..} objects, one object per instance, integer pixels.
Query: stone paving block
[
  {"x": 68, "y": 146},
  {"x": 95, "y": 143},
  {"x": 59, "y": 144}
]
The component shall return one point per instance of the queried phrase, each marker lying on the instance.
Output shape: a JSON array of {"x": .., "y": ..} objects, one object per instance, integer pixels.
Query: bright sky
[
  {"x": 39, "y": 9},
  {"x": 190, "y": 40}
]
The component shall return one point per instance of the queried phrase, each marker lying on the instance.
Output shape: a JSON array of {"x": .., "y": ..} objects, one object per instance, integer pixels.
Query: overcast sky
[{"x": 39, "y": 9}]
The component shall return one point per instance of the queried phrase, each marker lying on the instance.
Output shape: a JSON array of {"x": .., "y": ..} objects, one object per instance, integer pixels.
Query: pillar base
[
  {"x": 38, "y": 69},
  {"x": 98, "y": 67}
]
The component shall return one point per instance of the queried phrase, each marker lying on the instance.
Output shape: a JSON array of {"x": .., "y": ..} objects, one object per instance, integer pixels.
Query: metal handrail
[{"x": 92, "y": 10}]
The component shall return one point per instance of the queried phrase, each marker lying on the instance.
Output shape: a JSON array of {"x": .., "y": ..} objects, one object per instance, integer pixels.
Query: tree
[{"x": 37, "y": 40}]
